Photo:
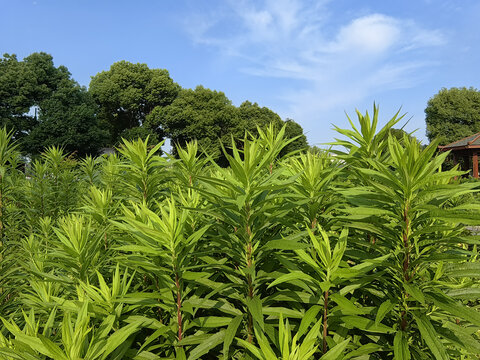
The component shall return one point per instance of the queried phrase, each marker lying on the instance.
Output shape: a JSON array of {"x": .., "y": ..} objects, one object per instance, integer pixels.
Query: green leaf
[
  {"x": 252, "y": 348},
  {"x": 276, "y": 311},
  {"x": 464, "y": 337},
  {"x": 365, "y": 324},
  {"x": 53, "y": 349},
  {"x": 193, "y": 339},
  {"x": 33, "y": 342},
  {"x": 336, "y": 352},
  {"x": 293, "y": 275},
  {"x": 347, "y": 307},
  {"x": 465, "y": 293},
  {"x": 264, "y": 345},
  {"x": 455, "y": 308},
  {"x": 285, "y": 244},
  {"x": 466, "y": 269},
  {"x": 415, "y": 292},
  {"x": 213, "y": 304},
  {"x": 383, "y": 310},
  {"x": 119, "y": 336},
  {"x": 180, "y": 353},
  {"x": 363, "y": 350},
  {"x": 430, "y": 336},
  {"x": 309, "y": 317},
  {"x": 206, "y": 345},
  {"x": 211, "y": 321},
  {"x": 230, "y": 334},
  {"x": 254, "y": 306},
  {"x": 400, "y": 346}
]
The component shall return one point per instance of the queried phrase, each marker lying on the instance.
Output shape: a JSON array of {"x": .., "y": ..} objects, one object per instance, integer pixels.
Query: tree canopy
[
  {"x": 453, "y": 114},
  {"x": 127, "y": 93},
  {"x": 202, "y": 114},
  {"x": 67, "y": 118},
  {"x": 24, "y": 85},
  {"x": 294, "y": 130},
  {"x": 209, "y": 117},
  {"x": 251, "y": 115},
  {"x": 42, "y": 105}
]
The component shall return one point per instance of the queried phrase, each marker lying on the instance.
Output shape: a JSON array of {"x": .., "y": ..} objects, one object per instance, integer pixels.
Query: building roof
[{"x": 469, "y": 142}]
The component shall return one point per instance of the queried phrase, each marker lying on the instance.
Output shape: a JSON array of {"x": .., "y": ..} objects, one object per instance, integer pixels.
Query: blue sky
[{"x": 311, "y": 61}]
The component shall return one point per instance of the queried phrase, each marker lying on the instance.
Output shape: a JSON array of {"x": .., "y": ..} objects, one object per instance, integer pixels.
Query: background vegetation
[
  {"x": 453, "y": 114},
  {"x": 43, "y": 106},
  {"x": 357, "y": 254}
]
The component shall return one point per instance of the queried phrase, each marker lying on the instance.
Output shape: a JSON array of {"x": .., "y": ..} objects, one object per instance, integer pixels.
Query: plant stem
[
  {"x": 406, "y": 245},
  {"x": 144, "y": 184},
  {"x": 403, "y": 321},
  {"x": 406, "y": 264},
  {"x": 249, "y": 289},
  {"x": 179, "y": 306},
  {"x": 249, "y": 276},
  {"x": 325, "y": 323}
]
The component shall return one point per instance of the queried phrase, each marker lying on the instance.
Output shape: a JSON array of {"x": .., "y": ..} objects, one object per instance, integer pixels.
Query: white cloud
[
  {"x": 369, "y": 34},
  {"x": 339, "y": 63}
]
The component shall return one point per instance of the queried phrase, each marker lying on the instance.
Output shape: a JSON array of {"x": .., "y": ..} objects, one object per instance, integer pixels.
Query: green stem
[
  {"x": 325, "y": 323},
  {"x": 406, "y": 265},
  {"x": 249, "y": 258},
  {"x": 249, "y": 290},
  {"x": 406, "y": 245},
  {"x": 179, "y": 307}
]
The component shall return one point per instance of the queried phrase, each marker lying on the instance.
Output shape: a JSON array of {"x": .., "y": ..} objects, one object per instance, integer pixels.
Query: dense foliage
[
  {"x": 43, "y": 106},
  {"x": 210, "y": 118},
  {"x": 362, "y": 255},
  {"x": 127, "y": 93},
  {"x": 453, "y": 114}
]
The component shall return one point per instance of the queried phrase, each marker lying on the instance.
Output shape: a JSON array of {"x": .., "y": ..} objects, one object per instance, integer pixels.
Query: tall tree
[
  {"x": 294, "y": 130},
  {"x": 67, "y": 119},
  {"x": 252, "y": 115},
  {"x": 453, "y": 114},
  {"x": 44, "y": 106},
  {"x": 23, "y": 86},
  {"x": 202, "y": 114},
  {"x": 127, "y": 93},
  {"x": 209, "y": 117}
]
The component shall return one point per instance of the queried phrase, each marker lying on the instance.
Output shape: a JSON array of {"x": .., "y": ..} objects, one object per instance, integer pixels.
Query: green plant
[
  {"x": 401, "y": 202},
  {"x": 353, "y": 253}
]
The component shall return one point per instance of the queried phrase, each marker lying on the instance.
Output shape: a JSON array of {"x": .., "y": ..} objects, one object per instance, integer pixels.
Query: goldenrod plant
[{"x": 361, "y": 251}]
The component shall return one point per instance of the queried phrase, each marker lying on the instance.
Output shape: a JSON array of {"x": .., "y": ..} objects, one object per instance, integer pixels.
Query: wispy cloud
[{"x": 338, "y": 63}]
